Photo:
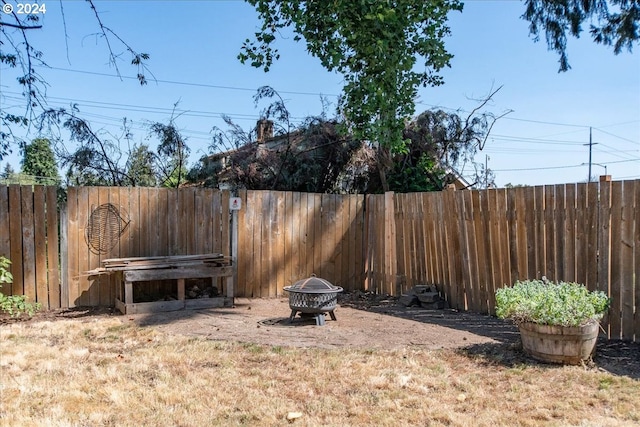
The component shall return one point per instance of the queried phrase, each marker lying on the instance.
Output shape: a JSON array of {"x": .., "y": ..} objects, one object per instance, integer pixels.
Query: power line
[
  {"x": 617, "y": 136},
  {"x": 560, "y": 167},
  {"x": 537, "y": 169},
  {"x": 175, "y": 82}
]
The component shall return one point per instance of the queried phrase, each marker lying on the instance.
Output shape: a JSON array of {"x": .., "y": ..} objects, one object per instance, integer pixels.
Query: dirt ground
[{"x": 362, "y": 322}]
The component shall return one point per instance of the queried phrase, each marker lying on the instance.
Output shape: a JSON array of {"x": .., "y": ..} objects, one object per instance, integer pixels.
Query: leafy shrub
[
  {"x": 549, "y": 303},
  {"x": 14, "y": 305}
]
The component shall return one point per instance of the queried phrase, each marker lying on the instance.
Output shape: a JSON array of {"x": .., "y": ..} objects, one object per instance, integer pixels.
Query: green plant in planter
[
  {"x": 14, "y": 305},
  {"x": 549, "y": 303}
]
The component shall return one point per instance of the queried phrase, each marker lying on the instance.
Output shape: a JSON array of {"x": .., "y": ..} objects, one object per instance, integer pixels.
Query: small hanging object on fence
[{"x": 106, "y": 224}]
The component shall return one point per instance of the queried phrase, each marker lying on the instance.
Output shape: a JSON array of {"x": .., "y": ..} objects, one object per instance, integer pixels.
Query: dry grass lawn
[{"x": 106, "y": 372}]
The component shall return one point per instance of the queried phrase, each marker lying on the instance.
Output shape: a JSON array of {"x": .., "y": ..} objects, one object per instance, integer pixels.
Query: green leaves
[
  {"x": 556, "y": 18},
  {"x": 14, "y": 305},
  {"x": 5, "y": 274},
  {"x": 548, "y": 303},
  {"x": 375, "y": 45}
]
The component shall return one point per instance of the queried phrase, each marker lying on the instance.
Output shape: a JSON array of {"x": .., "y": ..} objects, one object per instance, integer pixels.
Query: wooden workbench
[{"x": 178, "y": 268}]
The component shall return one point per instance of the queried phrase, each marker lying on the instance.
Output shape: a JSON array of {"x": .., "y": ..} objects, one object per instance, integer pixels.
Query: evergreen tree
[{"x": 39, "y": 162}]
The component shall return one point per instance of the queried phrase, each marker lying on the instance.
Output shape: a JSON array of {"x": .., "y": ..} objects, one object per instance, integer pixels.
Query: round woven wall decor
[{"x": 106, "y": 224}]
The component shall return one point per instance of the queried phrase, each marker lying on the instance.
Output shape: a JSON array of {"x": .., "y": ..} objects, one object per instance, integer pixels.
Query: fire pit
[{"x": 313, "y": 297}]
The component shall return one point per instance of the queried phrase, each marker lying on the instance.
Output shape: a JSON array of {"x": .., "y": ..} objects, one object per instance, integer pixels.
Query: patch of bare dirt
[{"x": 363, "y": 321}]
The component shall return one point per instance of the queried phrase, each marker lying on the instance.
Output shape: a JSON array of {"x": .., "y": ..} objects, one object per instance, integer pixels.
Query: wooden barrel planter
[{"x": 559, "y": 344}]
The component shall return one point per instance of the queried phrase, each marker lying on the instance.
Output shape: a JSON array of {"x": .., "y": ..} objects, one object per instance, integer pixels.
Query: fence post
[{"x": 234, "y": 247}]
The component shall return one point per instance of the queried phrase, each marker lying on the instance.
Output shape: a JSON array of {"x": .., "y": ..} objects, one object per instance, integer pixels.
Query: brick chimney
[{"x": 264, "y": 130}]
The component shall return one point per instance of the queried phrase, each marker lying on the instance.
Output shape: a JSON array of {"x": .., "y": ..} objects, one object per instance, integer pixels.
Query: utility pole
[
  {"x": 486, "y": 171},
  {"x": 590, "y": 144}
]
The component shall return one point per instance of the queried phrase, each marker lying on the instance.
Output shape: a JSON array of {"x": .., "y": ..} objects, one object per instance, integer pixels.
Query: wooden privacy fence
[
  {"x": 287, "y": 236},
  {"x": 29, "y": 238},
  {"x": 471, "y": 243},
  {"x": 152, "y": 221}
]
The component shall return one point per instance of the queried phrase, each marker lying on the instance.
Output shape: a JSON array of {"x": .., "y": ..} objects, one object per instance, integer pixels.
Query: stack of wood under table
[{"x": 176, "y": 267}]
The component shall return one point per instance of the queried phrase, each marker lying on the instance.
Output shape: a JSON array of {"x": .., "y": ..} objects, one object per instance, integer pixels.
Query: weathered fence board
[
  {"x": 159, "y": 221},
  {"x": 479, "y": 241},
  {"x": 284, "y": 237},
  {"x": 29, "y": 238},
  {"x": 468, "y": 243}
]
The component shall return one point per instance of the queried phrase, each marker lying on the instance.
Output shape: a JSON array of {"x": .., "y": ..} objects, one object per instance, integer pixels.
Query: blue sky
[{"x": 193, "y": 47}]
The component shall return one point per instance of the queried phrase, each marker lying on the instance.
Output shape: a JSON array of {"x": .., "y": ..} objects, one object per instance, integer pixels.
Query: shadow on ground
[
  {"x": 613, "y": 356},
  {"x": 478, "y": 324}
]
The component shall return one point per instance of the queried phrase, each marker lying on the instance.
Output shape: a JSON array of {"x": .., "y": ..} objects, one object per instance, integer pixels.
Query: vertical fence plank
[
  {"x": 71, "y": 288},
  {"x": 188, "y": 227},
  {"x": 474, "y": 282},
  {"x": 336, "y": 255},
  {"x": 560, "y": 219},
  {"x": 345, "y": 256},
  {"x": 570, "y": 235},
  {"x": 165, "y": 221},
  {"x": 418, "y": 262},
  {"x": 97, "y": 196},
  {"x": 418, "y": 239},
  {"x": 144, "y": 221},
  {"x": 317, "y": 233},
  {"x": 512, "y": 240},
  {"x": 173, "y": 213},
  {"x": 242, "y": 261},
  {"x": 53, "y": 259},
  {"x": 549, "y": 232},
  {"x": 439, "y": 227},
  {"x": 616, "y": 262},
  {"x": 530, "y": 227},
  {"x": 503, "y": 234},
  {"x": 40, "y": 242},
  {"x": 305, "y": 264},
  {"x": 292, "y": 256},
  {"x": 604, "y": 249},
  {"x": 296, "y": 248},
  {"x": 582, "y": 233},
  {"x": 540, "y": 230},
  {"x": 452, "y": 243},
  {"x": 203, "y": 219},
  {"x": 353, "y": 261},
  {"x": 484, "y": 276},
  {"x": 636, "y": 262},
  {"x": 360, "y": 239},
  {"x": 627, "y": 216},
  {"x": 399, "y": 243},
  {"x": 225, "y": 222},
  {"x": 5, "y": 230},
  {"x": 253, "y": 245},
  {"x": 390, "y": 245},
  {"x": 215, "y": 207},
  {"x": 15, "y": 230},
  {"x": 464, "y": 259},
  {"x": 279, "y": 233},
  {"x": 592, "y": 231},
  {"x": 491, "y": 256},
  {"x": 521, "y": 235},
  {"x": 267, "y": 266},
  {"x": 86, "y": 204}
]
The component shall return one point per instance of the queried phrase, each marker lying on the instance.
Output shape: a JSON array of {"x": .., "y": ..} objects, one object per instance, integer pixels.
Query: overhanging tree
[
  {"x": 375, "y": 45},
  {"x": 611, "y": 23},
  {"x": 21, "y": 59}
]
